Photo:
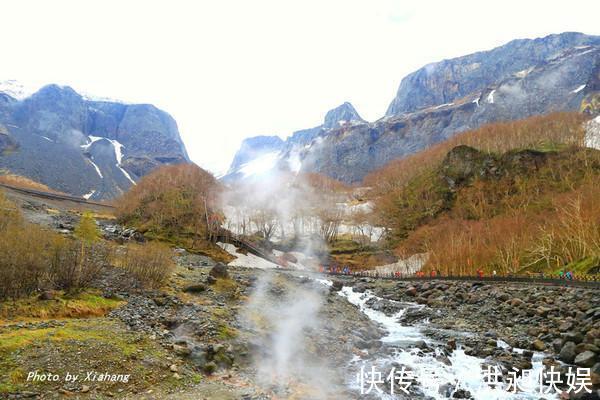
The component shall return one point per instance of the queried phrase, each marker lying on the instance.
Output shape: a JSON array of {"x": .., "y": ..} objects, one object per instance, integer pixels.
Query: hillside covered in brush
[{"x": 512, "y": 197}]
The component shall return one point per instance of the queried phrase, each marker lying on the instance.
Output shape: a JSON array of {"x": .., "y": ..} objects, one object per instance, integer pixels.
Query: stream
[{"x": 440, "y": 379}]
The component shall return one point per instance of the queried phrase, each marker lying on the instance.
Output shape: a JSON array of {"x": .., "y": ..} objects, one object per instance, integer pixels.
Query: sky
[{"x": 231, "y": 69}]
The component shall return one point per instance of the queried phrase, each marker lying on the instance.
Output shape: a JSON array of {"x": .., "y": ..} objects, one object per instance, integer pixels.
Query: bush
[
  {"x": 173, "y": 202},
  {"x": 76, "y": 264},
  {"x": 24, "y": 264},
  {"x": 32, "y": 258},
  {"x": 151, "y": 263}
]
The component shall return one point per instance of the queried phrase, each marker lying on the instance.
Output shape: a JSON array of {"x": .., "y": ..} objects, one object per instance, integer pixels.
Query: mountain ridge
[
  {"x": 559, "y": 72},
  {"x": 93, "y": 148}
]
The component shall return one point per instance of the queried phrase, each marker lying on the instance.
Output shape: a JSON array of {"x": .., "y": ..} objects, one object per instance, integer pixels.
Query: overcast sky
[{"x": 227, "y": 70}]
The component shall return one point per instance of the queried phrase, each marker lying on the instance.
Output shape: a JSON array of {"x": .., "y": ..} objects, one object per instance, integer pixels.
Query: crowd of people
[{"x": 346, "y": 270}]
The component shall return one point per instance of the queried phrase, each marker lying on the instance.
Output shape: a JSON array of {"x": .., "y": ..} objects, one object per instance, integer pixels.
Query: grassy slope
[{"x": 500, "y": 209}]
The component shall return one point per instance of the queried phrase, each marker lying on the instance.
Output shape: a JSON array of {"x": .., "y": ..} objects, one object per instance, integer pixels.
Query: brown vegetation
[
  {"x": 538, "y": 132},
  {"x": 25, "y": 183},
  {"x": 32, "y": 258},
  {"x": 516, "y": 211},
  {"x": 176, "y": 203},
  {"x": 151, "y": 263}
]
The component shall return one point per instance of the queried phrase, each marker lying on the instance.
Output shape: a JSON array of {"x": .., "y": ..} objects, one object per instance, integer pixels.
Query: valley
[{"x": 447, "y": 250}]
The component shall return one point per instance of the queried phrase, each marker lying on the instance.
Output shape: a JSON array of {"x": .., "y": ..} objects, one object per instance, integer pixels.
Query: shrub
[
  {"x": 151, "y": 263},
  {"x": 76, "y": 264},
  {"x": 24, "y": 263},
  {"x": 173, "y": 202},
  {"x": 32, "y": 258}
]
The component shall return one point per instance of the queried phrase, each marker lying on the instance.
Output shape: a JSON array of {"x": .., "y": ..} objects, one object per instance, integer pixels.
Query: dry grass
[
  {"x": 528, "y": 218},
  {"x": 25, "y": 183},
  {"x": 33, "y": 258},
  {"x": 151, "y": 263},
  {"x": 539, "y": 132}
]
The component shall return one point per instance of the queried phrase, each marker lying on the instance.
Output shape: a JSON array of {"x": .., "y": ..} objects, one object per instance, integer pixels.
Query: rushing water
[{"x": 464, "y": 371}]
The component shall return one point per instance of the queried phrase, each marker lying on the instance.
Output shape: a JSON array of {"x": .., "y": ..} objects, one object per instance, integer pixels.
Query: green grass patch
[{"x": 81, "y": 305}]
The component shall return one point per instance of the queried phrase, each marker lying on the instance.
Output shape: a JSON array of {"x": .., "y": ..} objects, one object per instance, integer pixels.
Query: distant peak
[{"x": 342, "y": 113}]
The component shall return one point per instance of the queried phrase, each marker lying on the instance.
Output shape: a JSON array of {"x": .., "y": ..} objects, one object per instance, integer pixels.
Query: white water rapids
[{"x": 463, "y": 369}]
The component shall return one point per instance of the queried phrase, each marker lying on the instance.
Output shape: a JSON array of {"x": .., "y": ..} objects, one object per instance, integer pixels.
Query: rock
[
  {"x": 503, "y": 297},
  {"x": 211, "y": 280},
  {"x": 451, "y": 344},
  {"x": 557, "y": 345},
  {"x": 219, "y": 271},
  {"x": 176, "y": 376},
  {"x": 337, "y": 285},
  {"x": 574, "y": 337},
  {"x": 565, "y": 326},
  {"x": 411, "y": 291},
  {"x": 516, "y": 302},
  {"x": 586, "y": 359},
  {"x": 567, "y": 353},
  {"x": 183, "y": 351},
  {"x": 595, "y": 371},
  {"x": 85, "y": 389},
  {"x": 538, "y": 345},
  {"x": 198, "y": 288},
  {"x": 46, "y": 295},
  {"x": 173, "y": 368},
  {"x": 461, "y": 394}
]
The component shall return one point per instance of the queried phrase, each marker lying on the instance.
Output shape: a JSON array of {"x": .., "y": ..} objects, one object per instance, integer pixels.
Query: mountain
[
  {"x": 92, "y": 148},
  {"x": 522, "y": 78},
  {"x": 261, "y": 154}
]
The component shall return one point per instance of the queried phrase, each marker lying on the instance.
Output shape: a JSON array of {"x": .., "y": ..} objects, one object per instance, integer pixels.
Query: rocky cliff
[
  {"x": 520, "y": 79},
  {"x": 96, "y": 149}
]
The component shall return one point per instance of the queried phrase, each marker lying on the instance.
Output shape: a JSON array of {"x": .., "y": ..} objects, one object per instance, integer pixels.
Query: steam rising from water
[{"x": 284, "y": 315}]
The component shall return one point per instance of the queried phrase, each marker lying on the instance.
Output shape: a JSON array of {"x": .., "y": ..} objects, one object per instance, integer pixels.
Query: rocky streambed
[
  {"x": 449, "y": 333},
  {"x": 244, "y": 333}
]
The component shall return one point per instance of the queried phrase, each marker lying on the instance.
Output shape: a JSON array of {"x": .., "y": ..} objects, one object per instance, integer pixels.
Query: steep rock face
[
  {"x": 448, "y": 80},
  {"x": 85, "y": 147},
  {"x": 261, "y": 154},
  {"x": 558, "y": 84},
  {"x": 518, "y": 80},
  {"x": 340, "y": 115}
]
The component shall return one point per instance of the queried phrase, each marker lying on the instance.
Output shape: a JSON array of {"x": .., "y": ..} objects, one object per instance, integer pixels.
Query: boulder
[
  {"x": 538, "y": 345},
  {"x": 198, "y": 288},
  {"x": 567, "y": 353},
  {"x": 587, "y": 359},
  {"x": 219, "y": 271},
  {"x": 336, "y": 285}
]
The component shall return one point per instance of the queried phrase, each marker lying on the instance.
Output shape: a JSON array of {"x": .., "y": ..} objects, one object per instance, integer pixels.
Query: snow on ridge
[
  {"x": 92, "y": 140},
  {"x": 90, "y": 194},
  {"x": 443, "y": 105},
  {"x": 524, "y": 73},
  {"x": 490, "y": 97},
  {"x": 97, "y": 169},
  {"x": 119, "y": 156},
  {"x": 17, "y": 90},
  {"x": 260, "y": 165},
  {"x": 118, "y": 148},
  {"x": 579, "y": 89}
]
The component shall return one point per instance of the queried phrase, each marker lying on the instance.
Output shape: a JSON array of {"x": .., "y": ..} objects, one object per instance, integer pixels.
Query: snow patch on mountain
[
  {"x": 97, "y": 168},
  {"x": 90, "y": 194},
  {"x": 17, "y": 90},
  {"x": 260, "y": 165}
]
